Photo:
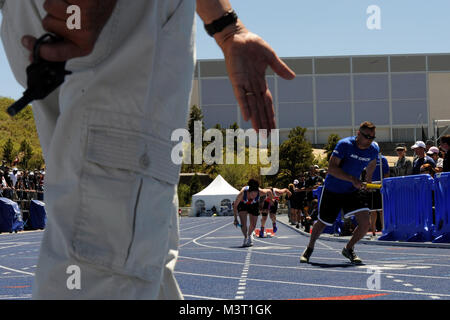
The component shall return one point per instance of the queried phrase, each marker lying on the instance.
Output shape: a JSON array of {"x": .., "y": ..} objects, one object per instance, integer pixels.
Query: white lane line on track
[
  {"x": 315, "y": 257},
  {"x": 313, "y": 284},
  {"x": 206, "y": 234},
  {"x": 201, "y": 297},
  {"x": 431, "y": 296},
  {"x": 199, "y": 226},
  {"x": 309, "y": 269},
  {"x": 14, "y": 246},
  {"x": 6, "y": 297},
  {"x": 431, "y": 255},
  {"x": 15, "y": 270},
  {"x": 242, "y": 287}
]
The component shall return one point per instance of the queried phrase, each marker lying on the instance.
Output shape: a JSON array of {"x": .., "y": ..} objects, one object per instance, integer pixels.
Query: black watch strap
[{"x": 218, "y": 25}]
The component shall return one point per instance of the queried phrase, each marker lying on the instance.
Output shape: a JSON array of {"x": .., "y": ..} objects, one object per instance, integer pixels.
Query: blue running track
[{"x": 213, "y": 265}]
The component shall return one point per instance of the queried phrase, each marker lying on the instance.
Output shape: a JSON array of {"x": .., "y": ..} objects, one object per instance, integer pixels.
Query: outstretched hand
[
  {"x": 247, "y": 57},
  {"x": 77, "y": 43}
]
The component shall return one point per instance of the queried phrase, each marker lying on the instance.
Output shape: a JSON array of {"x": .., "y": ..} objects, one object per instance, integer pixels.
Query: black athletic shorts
[
  {"x": 274, "y": 207},
  {"x": 252, "y": 208},
  {"x": 267, "y": 207},
  {"x": 374, "y": 200},
  {"x": 332, "y": 203},
  {"x": 298, "y": 205}
]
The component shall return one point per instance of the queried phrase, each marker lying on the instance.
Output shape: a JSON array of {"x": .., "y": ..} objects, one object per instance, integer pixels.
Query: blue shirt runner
[{"x": 353, "y": 162}]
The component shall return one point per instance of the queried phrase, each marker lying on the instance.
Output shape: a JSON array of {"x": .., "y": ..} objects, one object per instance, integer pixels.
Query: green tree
[
  {"x": 8, "y": 149},
  {"x": 195, "y": 115},
  {"x": 184, "y": 196},
  {"x": 296, "y": 155},
  {"x": 238, "y": 174},
  {"x": 333, "y": 139},
  {"x": 195, "y": 185},
  {"x": 19, "y": 128},
  {"x": 36, "y": 161},
  {"x": 27, "y": 151}
]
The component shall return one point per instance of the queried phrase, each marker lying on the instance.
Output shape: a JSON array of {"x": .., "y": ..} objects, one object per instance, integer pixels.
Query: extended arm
[
  {"x": 247, "y": 57},
  {"x": 235, "y": 205},
  {"x": 283, "y": 191}
]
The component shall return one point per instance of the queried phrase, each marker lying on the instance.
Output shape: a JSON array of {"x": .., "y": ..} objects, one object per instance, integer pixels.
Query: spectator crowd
[
  {"x": 428, "y": 158},
  {"x": 19, "y": 185}
]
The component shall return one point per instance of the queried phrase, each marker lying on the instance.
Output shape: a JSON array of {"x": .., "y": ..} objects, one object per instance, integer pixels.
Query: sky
[{"x": 300, "y": 28}]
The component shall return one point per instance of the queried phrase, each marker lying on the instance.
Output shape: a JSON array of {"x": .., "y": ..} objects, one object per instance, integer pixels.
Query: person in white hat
[
  {"x": 419, "y": 148},
  {"x": 433, "y": 152}
]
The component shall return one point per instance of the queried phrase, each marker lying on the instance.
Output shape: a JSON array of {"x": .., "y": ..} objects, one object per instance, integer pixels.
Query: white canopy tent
[{"x": 219, "y": 194}]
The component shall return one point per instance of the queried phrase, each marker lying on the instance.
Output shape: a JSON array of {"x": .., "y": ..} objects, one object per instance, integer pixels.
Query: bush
[{"x": 184, "y": 195}]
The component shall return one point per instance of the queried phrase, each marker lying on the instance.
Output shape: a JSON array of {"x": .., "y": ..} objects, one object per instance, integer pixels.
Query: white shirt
[
  {"x": 13, "y": 178},
  {"x": 4, "y": 184}
]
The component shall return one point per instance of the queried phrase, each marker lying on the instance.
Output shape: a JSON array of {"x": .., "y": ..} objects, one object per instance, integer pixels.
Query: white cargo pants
[{"x": 110, "y": 185}]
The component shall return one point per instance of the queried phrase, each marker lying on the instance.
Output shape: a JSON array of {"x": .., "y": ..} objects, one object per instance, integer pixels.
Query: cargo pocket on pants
[{"x": 110, "y": 189}]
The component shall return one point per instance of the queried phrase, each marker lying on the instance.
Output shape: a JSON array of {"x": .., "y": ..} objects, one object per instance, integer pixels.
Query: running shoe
[
  {"x": 261, "y": 233},
  {"x": 351, "y": 255},
  {"x": 250, "y": 241},
  {"x": 245, "y": 243},
  {"x": 275, "y": 228},
  {"x": 304, "y": 258}
]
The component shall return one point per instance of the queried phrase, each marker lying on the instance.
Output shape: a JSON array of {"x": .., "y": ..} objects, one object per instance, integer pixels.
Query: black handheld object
[{"x": 43, "y": 76}]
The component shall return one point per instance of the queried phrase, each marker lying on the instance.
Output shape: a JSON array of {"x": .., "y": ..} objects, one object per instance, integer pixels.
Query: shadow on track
[{"x": 333, "y": 265}]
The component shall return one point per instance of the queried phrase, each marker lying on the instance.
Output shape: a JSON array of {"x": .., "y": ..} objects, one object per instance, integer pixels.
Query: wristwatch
[{"x": 218, "y": 25}]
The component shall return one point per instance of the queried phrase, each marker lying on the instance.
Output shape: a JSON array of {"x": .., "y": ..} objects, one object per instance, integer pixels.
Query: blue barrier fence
[
  {"x": 408, "y": 208},
  {"x": 38, "y": 217},
  {"x": 15, "y": 217},
  {"x": 442, "y": 206},
  {"x": 10, "y": 216}
]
